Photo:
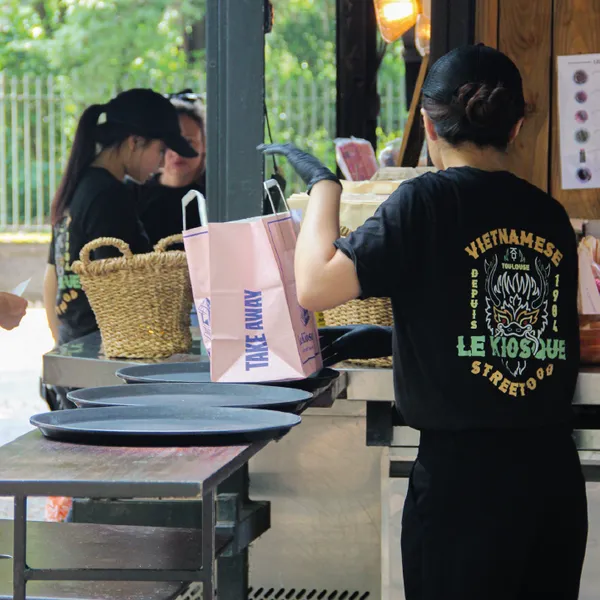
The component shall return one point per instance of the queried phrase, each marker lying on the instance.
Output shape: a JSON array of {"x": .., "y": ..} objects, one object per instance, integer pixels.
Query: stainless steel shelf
[{"x": 82, "y": 364}]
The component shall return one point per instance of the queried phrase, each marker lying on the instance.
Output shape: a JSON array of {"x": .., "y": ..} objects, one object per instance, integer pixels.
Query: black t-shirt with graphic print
[
  {"x": 102, "y": 206},
  {"x": 481, "y": 268}
]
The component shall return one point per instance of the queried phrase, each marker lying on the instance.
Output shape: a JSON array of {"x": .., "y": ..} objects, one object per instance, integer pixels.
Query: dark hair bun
[
  {"x": 479, "y": 113},
  {"x": 484, "y": 105}
]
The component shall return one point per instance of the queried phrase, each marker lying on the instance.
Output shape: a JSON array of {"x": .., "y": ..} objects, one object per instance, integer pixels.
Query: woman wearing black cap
[
  {"x": 481, "y": 267},
  {"x": 93, "y": 201}
]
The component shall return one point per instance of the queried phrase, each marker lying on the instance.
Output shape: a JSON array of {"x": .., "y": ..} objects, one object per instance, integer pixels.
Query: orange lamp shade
[
  {"x": 395, "y": 17},
  {"x": 423, "y": 34}
]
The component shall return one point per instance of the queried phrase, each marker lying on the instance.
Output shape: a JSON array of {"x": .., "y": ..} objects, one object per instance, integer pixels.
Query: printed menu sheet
[{"x": 579, "y": 120}]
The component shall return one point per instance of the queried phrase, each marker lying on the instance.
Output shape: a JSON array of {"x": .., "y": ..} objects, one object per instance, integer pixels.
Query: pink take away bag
[{"x": 242, "y": 275}]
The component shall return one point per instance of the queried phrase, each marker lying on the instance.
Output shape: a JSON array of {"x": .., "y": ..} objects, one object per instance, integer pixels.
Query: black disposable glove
[
  {"x": 310, "y": 169},
  {"x": 354, "y": 341}
]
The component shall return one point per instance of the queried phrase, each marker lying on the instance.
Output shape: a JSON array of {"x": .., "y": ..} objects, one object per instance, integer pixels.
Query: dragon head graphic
[{"x": 517, "y": 306}]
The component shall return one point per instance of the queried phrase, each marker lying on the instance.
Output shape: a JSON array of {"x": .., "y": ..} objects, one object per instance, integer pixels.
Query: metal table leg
[
  {"x": 235, "y": 513},
  {"x": 233, "y": 577},
  {"x": 232, "y": 571},
  {"x": 208, "y": 545},
  {"x": 20, "y": 547}
]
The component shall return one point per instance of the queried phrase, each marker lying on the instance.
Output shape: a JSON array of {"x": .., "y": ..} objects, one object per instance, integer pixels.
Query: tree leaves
[{"x": 101, "y": 46}]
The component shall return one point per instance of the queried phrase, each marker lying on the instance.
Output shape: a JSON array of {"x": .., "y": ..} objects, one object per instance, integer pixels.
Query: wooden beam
[
  {"x": 525, "y": 35},
  {"x": 412, "y": 62}
]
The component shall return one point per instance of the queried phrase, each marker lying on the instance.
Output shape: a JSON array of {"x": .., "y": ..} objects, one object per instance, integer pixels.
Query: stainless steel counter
[
  {"x": 81, "y": 364},
  {"x": 377, "y": 384}
]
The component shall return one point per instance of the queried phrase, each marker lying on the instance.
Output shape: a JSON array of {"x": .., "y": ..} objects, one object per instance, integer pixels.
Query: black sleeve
[
  {"x": 112, "y": 213},
  {"x": 139, "y": 193},
  {"x": 382, "y": 249}
]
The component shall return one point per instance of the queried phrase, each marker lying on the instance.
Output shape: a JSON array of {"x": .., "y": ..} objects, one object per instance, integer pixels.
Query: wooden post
[
  {"x": 412, "y": 62},
  {"x": 486, "y": 22},
  {"x": 524, "y": 35}
]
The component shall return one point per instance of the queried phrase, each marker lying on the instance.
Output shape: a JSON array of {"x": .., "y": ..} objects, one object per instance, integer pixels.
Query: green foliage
[
  {"x": 20, "y": 26},
  {"x": 95, "y": 48},
  {"x": 387, "y": 137},
  {"x": 302, "y": 43},
  {"x": 100, "y": 46}
]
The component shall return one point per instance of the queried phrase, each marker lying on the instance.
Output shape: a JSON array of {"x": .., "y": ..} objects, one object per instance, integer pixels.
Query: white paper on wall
[{"x": 579, "y": 120}]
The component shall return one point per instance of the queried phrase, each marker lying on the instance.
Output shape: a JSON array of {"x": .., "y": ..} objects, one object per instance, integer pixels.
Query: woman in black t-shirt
[
  {"x": 93, "y": 201},
  {"x": 481, "y": 268},
  {"x": 159, "y": 199}
]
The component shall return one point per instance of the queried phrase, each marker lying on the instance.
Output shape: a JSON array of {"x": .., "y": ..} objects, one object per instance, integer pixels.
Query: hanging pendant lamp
[{"x": 396, "y": 17}]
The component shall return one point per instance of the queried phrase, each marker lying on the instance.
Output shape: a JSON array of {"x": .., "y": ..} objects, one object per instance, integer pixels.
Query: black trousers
[{"x": 495, "y": 516}]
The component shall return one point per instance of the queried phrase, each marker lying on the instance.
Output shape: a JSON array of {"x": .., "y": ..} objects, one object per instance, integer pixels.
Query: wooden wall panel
[
  {"x": 525, "y": 35},
  {"x": 576, "y": 31},
  {"x": 486, "y": 22}
]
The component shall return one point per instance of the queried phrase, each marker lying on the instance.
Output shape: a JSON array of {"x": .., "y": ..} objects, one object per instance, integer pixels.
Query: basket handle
[
  {"x": 162, "y": 245},
  {"x": 84, "y": 255}
]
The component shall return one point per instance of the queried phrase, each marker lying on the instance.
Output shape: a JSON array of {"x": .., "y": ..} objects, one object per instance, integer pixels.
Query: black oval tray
[
  {"x": 164, "y": 425},
  {"x": 321, "y": 384},
  {"x": 199, "y": 372},
  {"x": 181, "y": 372},
  {"x": 193, "y": 394}
]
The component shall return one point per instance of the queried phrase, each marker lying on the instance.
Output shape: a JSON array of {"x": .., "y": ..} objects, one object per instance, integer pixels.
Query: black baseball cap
[
  {"x": 149, "y": 114},
  {"x": 473, "y": 64}
]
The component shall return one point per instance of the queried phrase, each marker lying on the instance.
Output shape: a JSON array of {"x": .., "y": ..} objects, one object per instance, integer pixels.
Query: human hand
[
  {"x": 310, "y": 169},
  {"x": 354, "y": 341},
  {"x": 12, "y": 310}
]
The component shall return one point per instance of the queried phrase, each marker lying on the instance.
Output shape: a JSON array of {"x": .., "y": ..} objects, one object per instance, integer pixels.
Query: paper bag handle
[
  {"x": 191, "y": 195},
  {"x": 268, "y": 185}
]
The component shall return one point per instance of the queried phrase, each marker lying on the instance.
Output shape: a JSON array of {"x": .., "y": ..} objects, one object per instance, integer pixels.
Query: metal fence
[{"x": 38, "y": 120}]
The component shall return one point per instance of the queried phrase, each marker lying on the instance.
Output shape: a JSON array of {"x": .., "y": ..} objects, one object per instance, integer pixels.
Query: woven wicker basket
[
  {"x": 373, "y": 311},
  {"x": 142, "y": 302}
]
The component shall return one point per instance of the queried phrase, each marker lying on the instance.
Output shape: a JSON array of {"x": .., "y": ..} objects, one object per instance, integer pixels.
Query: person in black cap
[
  {"x": 159, "y": 198},
  {"x": 92, "y": 200},
  {"x": 481, "y": 267}
]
